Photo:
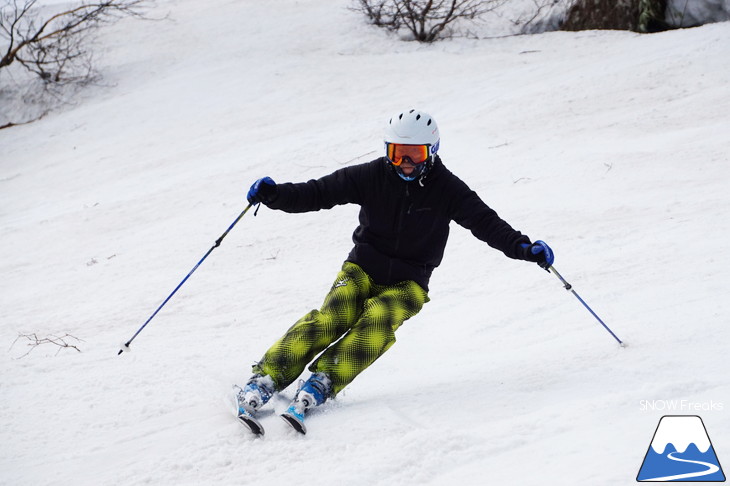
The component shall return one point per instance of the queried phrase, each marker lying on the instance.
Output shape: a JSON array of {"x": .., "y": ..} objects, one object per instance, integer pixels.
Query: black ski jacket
[{"x": 403, "y": 225}]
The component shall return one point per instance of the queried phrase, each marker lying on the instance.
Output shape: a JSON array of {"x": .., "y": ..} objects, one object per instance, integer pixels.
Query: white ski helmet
[{"x": 413, "y": 127}]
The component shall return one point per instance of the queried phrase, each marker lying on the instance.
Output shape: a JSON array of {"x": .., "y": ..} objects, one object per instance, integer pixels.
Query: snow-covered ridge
[{"x": 681, "y": 431}]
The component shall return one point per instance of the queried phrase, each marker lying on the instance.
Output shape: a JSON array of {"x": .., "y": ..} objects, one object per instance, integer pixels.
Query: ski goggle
[{"x": 397, "y": 152}]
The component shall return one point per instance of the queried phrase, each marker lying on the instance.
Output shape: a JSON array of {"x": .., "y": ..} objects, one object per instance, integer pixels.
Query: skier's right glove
[{"x": 263, "y": 190}]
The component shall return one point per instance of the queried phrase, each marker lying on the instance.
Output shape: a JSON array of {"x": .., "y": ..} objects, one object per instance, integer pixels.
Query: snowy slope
[{"x": 600, "y": 143}]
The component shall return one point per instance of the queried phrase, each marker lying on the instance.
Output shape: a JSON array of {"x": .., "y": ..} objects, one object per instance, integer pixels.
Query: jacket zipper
[{"x": 399, "y": 227}]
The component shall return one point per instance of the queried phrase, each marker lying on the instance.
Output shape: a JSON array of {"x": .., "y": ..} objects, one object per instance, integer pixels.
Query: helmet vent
[{"x": 411, "y": 126}]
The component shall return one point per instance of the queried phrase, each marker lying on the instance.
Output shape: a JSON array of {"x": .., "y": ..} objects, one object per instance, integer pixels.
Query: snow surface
[{"x": 611, "y": 146}]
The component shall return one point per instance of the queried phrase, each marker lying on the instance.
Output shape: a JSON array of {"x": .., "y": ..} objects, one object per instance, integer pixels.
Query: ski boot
[
  {"x": 252, "y": 397},
  {"x": 311, "y": 393}
]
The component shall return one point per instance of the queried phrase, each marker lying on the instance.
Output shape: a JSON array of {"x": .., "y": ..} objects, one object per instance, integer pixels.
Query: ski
[
  {"x": 251, "y": 423},
  {"x": 295, "y": 421}
]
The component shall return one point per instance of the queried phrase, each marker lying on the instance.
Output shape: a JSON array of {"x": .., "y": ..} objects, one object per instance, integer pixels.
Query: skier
[{"x": 407, "y": 200}]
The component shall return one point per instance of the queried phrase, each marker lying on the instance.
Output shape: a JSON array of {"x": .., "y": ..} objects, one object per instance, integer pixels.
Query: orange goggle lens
[{"x": 397, "y": 152}]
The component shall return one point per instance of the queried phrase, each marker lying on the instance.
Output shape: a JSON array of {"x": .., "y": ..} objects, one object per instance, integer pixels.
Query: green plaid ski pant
[{"x": 358, "y": 316}]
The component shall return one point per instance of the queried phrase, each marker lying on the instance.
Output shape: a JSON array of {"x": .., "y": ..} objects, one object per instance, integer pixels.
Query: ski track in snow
[{"x": 610, "y": 146}]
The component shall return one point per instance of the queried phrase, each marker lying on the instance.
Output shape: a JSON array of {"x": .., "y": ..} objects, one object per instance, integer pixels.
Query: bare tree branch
[
  {"x": 65, "y": 24},
  {"x": 55, "y": 48},
  {"x": 427, "y": 20},
  {"x": 34, "y": 341}
]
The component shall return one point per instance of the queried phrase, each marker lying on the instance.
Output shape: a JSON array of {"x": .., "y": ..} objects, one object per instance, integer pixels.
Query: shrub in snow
[
  {"x": 690, "y": 13},
  {"x": 644, "y": 15},
  {"x": 635, "y": 15},
  {"x": 425, "y": 20}
]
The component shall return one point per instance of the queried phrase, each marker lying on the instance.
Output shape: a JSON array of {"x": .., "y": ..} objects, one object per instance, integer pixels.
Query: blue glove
[
  {"x": 263, "y": 190},
  {"x": 538, "y": 252}
]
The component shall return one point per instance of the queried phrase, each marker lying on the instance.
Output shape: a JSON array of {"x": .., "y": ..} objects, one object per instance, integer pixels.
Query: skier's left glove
[{"x": 538, "y": 252}]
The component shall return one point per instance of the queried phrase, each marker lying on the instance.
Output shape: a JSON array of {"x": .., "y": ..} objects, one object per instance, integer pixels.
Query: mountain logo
[{"x": 680, "y": 451}]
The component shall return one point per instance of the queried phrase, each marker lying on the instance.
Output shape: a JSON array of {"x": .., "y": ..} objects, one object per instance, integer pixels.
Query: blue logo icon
[{"x": 681, "y": 451}]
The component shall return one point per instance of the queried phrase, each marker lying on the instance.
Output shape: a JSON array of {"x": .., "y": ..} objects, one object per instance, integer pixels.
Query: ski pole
[
  {"x": 125, "y": 346},
  {"x": 569, "y": 288}
]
